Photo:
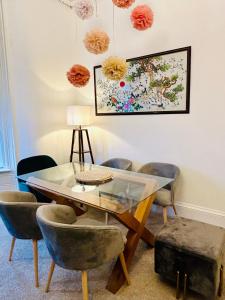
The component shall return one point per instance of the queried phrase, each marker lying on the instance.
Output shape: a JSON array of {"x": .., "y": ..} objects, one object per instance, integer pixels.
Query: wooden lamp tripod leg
[
  {"x": 72, "y": 145},
  {"x": 81, "y": 146},
  {"x": 89, "y": 145}
]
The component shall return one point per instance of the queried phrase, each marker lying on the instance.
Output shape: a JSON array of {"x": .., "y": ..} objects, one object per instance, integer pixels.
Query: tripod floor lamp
[{"x": 79, "y": 117}]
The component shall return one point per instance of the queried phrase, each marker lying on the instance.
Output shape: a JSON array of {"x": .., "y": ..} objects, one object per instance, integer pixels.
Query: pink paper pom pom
[
  {"x": 123, "y": 3},
  {"x": 84, "y": 9},
  {"x": 142, "y": 17}
]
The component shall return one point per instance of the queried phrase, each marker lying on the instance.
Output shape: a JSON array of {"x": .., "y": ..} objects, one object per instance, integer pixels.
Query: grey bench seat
[{"x": 195, "y": 249}]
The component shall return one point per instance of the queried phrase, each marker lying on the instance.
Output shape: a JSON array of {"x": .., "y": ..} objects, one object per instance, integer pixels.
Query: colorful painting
[{"x": 154, "y": 84}]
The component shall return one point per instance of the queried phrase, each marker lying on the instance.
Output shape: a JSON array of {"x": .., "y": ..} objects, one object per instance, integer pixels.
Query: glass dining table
[{"x": 127, "y": 196}]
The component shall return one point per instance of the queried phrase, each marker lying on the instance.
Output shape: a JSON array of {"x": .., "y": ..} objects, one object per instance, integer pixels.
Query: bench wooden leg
[
  {"x": 220, "y": 291},
  {"x": 185, "y": 286},
  {"x": 178, "y": 285}
]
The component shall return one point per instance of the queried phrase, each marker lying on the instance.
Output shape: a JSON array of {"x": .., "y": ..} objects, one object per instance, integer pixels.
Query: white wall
[
  {"x": 45, "y": 39},
  {"x": 40, "y": 50}
]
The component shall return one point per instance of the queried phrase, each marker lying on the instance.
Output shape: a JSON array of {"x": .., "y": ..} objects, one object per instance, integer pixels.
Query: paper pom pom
[
  {"x": 142, "y": 17},
  {"x": 96, "y": 41},
  {"x": 114, "y": 68},
  {"x": 78, "y": 75},
  {"x": 84, "y": 9},
  {"x": 123, "y": 3}
]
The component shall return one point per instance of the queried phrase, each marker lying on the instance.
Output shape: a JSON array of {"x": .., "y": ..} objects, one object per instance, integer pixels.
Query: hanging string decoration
[
  {"x": 84, "y": 9},
  {"x": 114, "y": 68},
  {"x": 142, "y": 17},
  {"x": 96, "y": 41},
  {"x": 123, "y": 3},
  {"x": 78, "y": 75},
  {"x": 68, "y": 3}
]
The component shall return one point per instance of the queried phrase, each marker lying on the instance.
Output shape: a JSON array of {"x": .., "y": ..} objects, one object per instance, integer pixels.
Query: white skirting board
[
  {"x": 200, "y": 213},
  {"x": 195, "y": 212}
]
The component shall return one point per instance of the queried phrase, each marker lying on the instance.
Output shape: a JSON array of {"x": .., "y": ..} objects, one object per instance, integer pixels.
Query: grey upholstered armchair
[
  {"x": 18, "y": 212},
  {"x": 165, "y": 197},
  {"x": 75, "y": 246},
  {"x": 118, "y": 163}
]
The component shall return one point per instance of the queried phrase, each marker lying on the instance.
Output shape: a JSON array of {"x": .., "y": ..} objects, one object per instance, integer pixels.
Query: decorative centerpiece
[{"x": 94, "y": 177}]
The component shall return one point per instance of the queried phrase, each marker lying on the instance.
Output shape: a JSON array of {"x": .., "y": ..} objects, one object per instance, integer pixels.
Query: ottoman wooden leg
[
  {"x": 185, "y": 286},
  {"x": 178, "y": 285},
  {"x": 221, "y": 282}
]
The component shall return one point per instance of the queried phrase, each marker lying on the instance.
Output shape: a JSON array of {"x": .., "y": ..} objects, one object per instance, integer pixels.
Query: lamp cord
[
  {"x": 96, "y": 8},
  {"x": 114, "y": 36},
  {"x": 66, "y": 4}
]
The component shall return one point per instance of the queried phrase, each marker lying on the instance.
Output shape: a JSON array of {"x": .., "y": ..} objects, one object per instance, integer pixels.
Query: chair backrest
[
  {"x": 161, "y": 169},
  {"x": 32, "y": 164},
  {"x": 35, "y": 163},
  {"x": 77, "y": 247},
  {"x": 118, "y": 163},
  {"x": 18, "y": 212}
]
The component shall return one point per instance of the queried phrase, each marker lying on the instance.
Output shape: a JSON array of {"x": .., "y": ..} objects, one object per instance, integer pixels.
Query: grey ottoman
[{"x": 191, "y": 253}]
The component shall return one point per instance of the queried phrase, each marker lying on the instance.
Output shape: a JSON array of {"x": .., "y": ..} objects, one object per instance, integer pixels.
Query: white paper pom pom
[{"x": 84, "y": 9}]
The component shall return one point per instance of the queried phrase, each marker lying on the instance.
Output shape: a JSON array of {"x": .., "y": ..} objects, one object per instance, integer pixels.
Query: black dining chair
[{"x": 32, "y": 164}]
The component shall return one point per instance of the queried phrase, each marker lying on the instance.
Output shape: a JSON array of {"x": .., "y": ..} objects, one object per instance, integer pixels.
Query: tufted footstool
[{"x": 191, "y": 253}]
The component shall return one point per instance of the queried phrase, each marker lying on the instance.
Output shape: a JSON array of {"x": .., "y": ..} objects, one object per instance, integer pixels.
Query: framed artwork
[{"x": 154, "y": 84}]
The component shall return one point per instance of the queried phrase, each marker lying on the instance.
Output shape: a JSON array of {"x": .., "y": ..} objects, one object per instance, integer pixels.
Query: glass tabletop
[{"x": 123, "y": 192}]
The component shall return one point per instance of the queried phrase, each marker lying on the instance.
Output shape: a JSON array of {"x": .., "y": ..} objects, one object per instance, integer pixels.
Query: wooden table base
[{"x": 117, "y": 279}]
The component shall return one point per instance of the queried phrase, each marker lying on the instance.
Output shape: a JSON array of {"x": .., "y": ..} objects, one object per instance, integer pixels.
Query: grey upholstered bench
[{"x": 191, "y": 254}]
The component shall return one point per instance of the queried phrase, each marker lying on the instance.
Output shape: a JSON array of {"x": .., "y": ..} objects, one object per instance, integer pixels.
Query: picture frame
[{"x": 158, "y": 83}]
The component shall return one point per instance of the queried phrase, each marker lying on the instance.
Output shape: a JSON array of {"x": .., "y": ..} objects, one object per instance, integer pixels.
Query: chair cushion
[
  {"x": 163, "y": 197},
  {"x": 94, "y": 217},
  {"x": 94, "y": 213},
  {"x": 88, "y": 221},
  {"x": 61, "y": 214}
]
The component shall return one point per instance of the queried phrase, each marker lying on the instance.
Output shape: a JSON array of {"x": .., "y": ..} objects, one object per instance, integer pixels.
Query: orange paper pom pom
[
  {"x": 142, "y": 17},
  {"x": 96, "y": 41},
  {"x": 78, "y": 75},
  {"x": 123, "y": 3}
]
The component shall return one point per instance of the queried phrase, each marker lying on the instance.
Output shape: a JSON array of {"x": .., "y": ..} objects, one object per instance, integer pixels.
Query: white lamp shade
[{"x": 78, "y": 115}]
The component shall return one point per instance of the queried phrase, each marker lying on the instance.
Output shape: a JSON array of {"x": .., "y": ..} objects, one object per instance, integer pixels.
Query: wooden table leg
[
  {"x": 141, "y": 214},
  {"x": 128, "y": 220}
]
